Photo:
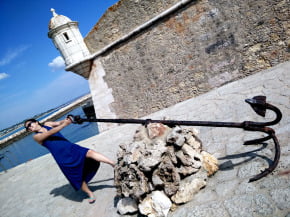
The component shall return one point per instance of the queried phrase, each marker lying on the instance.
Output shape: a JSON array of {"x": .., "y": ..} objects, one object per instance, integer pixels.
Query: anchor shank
[{"x": 166, "y": 122}]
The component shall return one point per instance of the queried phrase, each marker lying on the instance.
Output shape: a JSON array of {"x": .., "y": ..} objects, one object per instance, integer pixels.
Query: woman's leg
[
  {"x": 86, "y": 189},
  {"x": 99, "y": 157}
]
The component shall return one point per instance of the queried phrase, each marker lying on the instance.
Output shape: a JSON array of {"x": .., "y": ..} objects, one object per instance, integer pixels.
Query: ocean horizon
[{"x": 10, "y": 131}]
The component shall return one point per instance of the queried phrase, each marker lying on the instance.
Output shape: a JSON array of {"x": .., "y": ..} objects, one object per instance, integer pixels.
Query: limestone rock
[
  {"x": 133, "y": 152},
  {"x": 189, "y": 157},
  {"x": 189, "y": 187},
  {"x": 176, "y": 137},
  {"x": 127, "y": 205},
  {"x": 209, "y": 163},
  {"x": 157, "y": 130},
  {"x": 186, "y": 170},
  {"x": 156, "y": 204},
  {"x": 192, "y": 139},
  {"x": 146, "y": 207},
  {"x": 131, "y": 182},
  {"x": 141, "y": 135},
  {"x": 120, "y": 153},
  {"x": 159, "y": 164},
  {"x": 170, "y": 153},
  {"x": 151, "y": 155},
  {"x": 166, "y": 175}
]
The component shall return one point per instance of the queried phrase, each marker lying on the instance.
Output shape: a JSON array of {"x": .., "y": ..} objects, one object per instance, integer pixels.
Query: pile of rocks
[{"x": 161, "y": 168}]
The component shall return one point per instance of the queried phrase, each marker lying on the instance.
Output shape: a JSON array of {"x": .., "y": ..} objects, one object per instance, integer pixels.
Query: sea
[{"x": 26, "y": 149}]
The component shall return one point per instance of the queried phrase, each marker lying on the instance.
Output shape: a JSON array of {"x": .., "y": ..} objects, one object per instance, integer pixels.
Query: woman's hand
[
  {"x": 67, "y": 121},
  {"x": 63, "y": 123}
]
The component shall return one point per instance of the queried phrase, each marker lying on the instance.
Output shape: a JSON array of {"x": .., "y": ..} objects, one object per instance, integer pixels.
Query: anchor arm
[
  {"x": 271, "y": 168},
  {"x": 260, "y": 106}
]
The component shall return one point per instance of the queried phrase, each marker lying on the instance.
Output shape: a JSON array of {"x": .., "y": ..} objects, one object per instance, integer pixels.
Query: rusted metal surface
[{"x": 258, "y": 103}]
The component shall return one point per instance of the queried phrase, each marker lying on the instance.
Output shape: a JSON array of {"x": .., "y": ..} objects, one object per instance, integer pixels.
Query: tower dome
[{"x": 57, "y": 20}]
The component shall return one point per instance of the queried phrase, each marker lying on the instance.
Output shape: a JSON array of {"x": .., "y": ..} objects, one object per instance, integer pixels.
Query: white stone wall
[{"x": 101, "y": 95}]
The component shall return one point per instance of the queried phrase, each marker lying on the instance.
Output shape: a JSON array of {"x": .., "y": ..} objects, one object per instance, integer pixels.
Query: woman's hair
[{"x": 31, "y": 120}]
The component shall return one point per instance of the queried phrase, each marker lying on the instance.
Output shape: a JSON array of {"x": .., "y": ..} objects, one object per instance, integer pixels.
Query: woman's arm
[
  {"x": 57, "y": 126},
  {"x": 54, "y": 123},
  {"x": 57, "y": 123}
]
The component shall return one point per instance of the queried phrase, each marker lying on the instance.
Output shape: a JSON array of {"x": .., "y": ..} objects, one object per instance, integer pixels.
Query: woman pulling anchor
[{"x": 78, "y": 164}]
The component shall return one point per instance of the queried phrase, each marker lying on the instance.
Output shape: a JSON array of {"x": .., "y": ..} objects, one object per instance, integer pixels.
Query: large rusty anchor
[{"x": 258, "y": 103}]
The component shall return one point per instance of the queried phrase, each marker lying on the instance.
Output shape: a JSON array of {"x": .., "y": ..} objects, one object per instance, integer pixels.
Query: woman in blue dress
[{"x": 78, "y": 164}]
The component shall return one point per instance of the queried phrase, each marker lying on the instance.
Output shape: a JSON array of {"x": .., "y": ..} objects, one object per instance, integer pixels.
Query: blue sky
[{"x": 32, "y": 79}]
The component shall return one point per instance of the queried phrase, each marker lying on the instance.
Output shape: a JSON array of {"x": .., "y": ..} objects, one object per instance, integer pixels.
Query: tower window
[{"x": 66, "y": 37}]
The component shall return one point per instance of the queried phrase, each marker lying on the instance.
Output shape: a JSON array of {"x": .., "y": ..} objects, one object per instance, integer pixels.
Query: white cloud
[
  {"x": 12, "y": 54},
  {"x": 57, "y": 64},
  {"x": 3, "y": 76}
]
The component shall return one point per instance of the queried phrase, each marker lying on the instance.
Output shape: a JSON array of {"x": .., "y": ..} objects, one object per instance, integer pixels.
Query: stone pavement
[{"x": 38, "y": 188}]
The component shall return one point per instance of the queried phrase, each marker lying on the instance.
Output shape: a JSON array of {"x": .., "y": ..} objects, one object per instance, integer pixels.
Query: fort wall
[{"x": 200, "y": 46}]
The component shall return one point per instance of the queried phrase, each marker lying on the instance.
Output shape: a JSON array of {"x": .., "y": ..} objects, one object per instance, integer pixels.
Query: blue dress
[{"x": 71, "y": 159}]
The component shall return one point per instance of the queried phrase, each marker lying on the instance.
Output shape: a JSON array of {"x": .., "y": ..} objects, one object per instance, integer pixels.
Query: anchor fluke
[{"x": 258, "y": 103}]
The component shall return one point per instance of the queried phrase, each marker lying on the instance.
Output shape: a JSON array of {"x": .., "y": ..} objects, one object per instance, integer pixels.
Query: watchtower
[{"x": 68, "y": 40}]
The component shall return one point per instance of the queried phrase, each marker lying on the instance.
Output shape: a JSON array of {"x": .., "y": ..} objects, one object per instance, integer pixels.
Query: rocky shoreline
[{"x": 22, "y": 133}]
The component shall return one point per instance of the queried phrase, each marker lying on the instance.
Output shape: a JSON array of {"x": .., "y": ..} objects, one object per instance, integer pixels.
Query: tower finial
[{"x": 53, "y": 12}]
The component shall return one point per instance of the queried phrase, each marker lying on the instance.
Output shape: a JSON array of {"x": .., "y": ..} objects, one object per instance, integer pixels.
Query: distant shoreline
[{"x": 22, "y": 133}]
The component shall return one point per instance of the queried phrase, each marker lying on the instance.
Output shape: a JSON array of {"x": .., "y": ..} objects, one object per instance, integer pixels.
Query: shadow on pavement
[
  {"x": 68, "y": 192},
  {"x": 229, "y": 165}
]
